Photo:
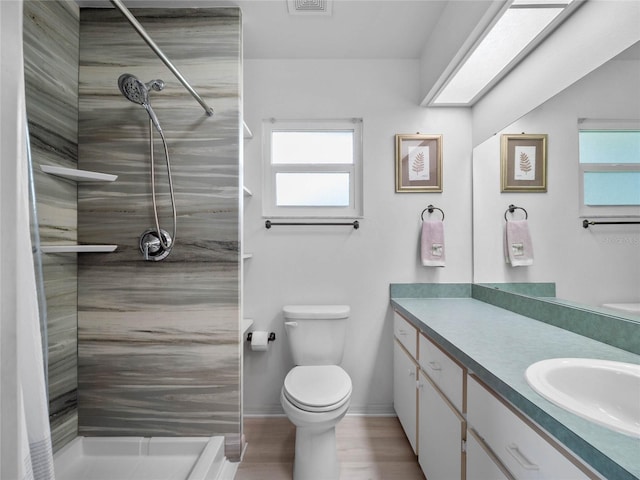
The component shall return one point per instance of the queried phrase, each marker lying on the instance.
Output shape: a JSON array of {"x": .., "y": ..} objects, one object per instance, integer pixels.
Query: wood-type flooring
[{"x": 369, "y": 448}]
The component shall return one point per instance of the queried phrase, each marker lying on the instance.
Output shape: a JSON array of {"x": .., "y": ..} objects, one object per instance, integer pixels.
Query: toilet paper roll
[{"x": 259, "y": 341}]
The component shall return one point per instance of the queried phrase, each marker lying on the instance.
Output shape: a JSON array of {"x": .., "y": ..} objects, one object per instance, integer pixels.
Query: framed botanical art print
[
  {"x": 418, "y": 163},
  {"x": 523, "y": 163}
]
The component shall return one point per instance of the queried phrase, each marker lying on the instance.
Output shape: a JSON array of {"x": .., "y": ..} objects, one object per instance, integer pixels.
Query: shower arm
[{"x": 145, "y": 36}]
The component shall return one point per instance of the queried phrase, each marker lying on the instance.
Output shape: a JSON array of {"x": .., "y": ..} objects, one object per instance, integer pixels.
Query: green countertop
[{"x": 498, "y": 345}]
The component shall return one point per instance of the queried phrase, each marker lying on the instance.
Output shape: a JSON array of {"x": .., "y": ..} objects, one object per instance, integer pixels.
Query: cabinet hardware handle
[
  {"x": 411, "y": 372},
  {"x": 291, "y": 324},
  {"x": 402, "y": 332},
  {"x": 435, "y": 366},
  {"x": 524, "y": 462}
]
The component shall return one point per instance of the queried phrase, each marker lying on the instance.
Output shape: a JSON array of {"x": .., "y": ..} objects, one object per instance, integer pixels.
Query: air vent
[{"x": 309, "y": 7}]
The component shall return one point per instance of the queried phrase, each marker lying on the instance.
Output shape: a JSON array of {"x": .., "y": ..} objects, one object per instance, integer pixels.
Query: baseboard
[{"x": 363, "y": 411}]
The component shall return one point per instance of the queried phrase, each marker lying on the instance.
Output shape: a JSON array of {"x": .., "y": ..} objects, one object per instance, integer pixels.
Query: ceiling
[{"x": 355, "y": 29}]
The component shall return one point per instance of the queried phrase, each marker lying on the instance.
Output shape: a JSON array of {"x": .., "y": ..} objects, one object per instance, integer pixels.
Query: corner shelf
[
  {"x": 246, "y": 256},
  {"x": 77, "y": 248},
  {"x": 247, "y": 192},
  {"x": 247, "y": 132},
  {"x": 246, "y": 325},
  {"x": 78, "y": 175}
]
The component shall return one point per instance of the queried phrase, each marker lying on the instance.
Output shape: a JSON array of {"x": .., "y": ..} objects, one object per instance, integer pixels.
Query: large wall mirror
[{"x": 590, "y": 266}]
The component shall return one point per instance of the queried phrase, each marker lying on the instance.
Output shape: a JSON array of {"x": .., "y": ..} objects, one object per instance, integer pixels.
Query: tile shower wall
[
  {"x": 51, "y": 33},
  {"x": 158, "y": 347}
]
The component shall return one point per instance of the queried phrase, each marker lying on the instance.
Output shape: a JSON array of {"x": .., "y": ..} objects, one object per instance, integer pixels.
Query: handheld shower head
[{"x": 137, "y": 92}]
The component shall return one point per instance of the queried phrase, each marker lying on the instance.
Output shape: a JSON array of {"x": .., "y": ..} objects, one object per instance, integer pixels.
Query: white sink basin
[{"x": 605, "y": 392}]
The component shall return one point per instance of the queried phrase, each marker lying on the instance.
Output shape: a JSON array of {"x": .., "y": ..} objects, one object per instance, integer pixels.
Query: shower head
[{"x": 137, "y": 92}]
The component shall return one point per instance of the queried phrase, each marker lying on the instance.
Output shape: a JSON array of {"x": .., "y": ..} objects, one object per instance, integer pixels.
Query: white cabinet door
[
  {"x": 404, "y": 392},
  {"x": 480, "y": 464},
  {"x": 441, "y": 431}
]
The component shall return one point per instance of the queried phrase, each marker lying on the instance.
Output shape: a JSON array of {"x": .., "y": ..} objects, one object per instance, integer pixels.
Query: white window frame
[
  {"x": 606, "y": 210},
  {"x": 272, "y": 210}
]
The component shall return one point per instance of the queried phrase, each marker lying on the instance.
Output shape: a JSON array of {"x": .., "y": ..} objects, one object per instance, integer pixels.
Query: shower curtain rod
[{"x": 145, "y": 36}]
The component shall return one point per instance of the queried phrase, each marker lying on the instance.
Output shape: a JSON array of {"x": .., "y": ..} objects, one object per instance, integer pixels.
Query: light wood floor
[{"x": 369, "y": 448}]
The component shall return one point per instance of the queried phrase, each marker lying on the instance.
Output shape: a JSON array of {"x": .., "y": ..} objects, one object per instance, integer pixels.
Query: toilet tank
[{"x": 316, "y": 333}]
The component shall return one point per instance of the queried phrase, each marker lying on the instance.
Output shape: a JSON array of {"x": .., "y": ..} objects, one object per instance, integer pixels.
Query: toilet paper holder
[{"x": 271, "y": 338}]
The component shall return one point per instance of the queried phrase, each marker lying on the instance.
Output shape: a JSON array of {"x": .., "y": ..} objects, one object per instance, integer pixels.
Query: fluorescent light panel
[{"x": 509, "y": 36}]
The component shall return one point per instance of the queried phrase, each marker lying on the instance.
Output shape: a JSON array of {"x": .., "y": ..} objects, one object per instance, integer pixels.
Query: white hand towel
[
  {"x": 432, "y": 243},
  {"x": 518, "y": 249}
]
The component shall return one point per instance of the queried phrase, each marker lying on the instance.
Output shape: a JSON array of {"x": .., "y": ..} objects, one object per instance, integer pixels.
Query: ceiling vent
[{"x": 309, "y": 7}]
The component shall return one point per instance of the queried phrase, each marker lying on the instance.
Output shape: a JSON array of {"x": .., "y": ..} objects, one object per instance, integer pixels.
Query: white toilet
[{"x": 316, "y": 392}]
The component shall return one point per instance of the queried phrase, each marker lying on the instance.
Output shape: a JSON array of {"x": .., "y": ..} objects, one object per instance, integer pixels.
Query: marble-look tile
[
  {"x": 159, "y": 373},
  {"x": 158, "y": 348},
  {"x": 51, "y": 46}
]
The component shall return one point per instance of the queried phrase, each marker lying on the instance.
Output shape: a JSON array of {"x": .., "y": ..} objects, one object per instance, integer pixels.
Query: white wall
[
  {"x": 340, "y": 264},
  {"x": 593, "y": 266},
  {"x": 11, "y": 98}
]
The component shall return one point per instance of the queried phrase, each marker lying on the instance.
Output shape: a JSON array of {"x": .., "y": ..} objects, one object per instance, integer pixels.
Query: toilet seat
[{"x": 317, "y": 388}]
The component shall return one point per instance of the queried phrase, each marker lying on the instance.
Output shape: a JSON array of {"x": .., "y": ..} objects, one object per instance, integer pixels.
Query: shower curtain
[{"x": 33, "y": 414}]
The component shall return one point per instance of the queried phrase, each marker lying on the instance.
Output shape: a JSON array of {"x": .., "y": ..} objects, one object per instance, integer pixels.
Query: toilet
[{"x": 317, "y": 391}]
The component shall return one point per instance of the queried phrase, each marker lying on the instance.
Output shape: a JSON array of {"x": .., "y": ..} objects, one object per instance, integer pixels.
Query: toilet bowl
[
  {"x": 315, "y": 398},
  {"x": 317, "y": 391}
]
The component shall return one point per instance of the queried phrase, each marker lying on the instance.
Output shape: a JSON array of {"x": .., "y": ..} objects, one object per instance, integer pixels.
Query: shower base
[{"x": 140, "y": 458}]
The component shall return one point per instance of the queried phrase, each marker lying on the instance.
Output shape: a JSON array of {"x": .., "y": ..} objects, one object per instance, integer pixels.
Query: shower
[{"x": 155, "y": 244}]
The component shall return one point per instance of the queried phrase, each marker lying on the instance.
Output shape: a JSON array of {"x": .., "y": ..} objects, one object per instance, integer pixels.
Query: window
[
  {"x": 609, "y": 168},
  {"x": 313, "y": 168}
]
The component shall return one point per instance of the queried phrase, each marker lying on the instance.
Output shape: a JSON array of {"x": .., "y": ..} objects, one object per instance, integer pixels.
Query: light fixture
[{"x": 516, "y": 32}]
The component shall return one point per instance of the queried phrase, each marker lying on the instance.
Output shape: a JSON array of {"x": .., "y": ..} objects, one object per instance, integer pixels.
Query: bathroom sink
[{"x": 602, "y": 391}]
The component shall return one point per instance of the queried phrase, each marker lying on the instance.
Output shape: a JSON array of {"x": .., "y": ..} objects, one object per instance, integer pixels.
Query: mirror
[{"x": 590, "y": 266}]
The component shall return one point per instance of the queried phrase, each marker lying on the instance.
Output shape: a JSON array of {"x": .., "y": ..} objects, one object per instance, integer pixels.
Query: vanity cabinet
[
  {"x": 405, "y": 372},
  {"x": 460, "y": 428}
]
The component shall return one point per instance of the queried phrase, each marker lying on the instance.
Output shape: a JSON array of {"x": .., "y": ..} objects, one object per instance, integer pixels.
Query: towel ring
[
  {"x": 430, "y": 209},
  {"x": 512, "y": 208}
]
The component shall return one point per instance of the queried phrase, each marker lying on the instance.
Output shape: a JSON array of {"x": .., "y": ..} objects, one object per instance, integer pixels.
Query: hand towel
[
  {"x": 518, "y": 249},
  {"x": 432, "y": 243}
]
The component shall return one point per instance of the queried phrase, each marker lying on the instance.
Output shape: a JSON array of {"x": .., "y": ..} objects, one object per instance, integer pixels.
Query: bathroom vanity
[{"x": 461, "y": 395}]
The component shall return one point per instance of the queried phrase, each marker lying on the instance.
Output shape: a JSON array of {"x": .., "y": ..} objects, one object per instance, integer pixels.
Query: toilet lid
[{"x": 314, "y": 387}]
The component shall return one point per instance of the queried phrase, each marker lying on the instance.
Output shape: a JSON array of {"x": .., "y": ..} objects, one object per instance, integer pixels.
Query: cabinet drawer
[
  {"x": 525, "y": 453},
  {"x": 481, "y": 465},
  {"x": 445, "y": 373},
  {"x": 406, "y": 333}
]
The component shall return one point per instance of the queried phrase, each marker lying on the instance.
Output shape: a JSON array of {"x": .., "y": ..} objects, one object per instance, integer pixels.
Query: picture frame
[
  {"x": 523, "y": 163},
  {"x": 418, "y": 163}
]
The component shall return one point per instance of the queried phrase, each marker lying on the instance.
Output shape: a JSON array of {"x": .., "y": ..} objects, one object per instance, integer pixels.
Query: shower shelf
[
  {"x": 246, "y": 324},
  {"x": 78, "y": 175},
  {"x": 248, "y": 134},
  {"x": 247, "y": 192},
  {"x": 78, "y": 248}
]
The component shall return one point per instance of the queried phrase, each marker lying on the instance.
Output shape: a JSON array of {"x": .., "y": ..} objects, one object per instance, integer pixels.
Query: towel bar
[
  {"x": 355, "y": 224},
  {"x": 586, "y": 223}
]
